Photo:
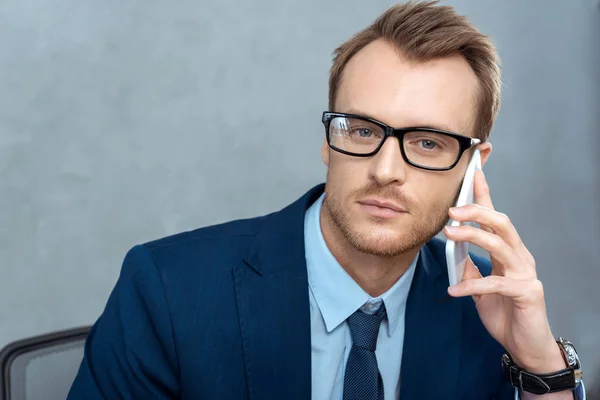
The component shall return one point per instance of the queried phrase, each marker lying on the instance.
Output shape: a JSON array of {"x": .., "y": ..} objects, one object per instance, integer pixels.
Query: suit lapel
[
  {"x": 432, "y": 341},
  {"x": 274, "y": 315},
  {"x": 273, "y": 307},
  {"x": 275, "y": 326}
]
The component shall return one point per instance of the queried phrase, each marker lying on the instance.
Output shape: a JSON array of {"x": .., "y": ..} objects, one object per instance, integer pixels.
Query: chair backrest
[{"x": 42, "y": 367}]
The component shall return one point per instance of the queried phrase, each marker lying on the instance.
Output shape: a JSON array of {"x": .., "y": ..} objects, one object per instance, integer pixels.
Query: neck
[{"x": 374, "y": 274}]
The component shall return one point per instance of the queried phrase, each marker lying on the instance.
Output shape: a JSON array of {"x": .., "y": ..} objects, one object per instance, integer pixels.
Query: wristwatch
[{"x": 564, "y": 379}]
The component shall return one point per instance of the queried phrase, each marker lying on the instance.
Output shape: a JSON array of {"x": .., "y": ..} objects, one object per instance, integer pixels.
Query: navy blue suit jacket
[{"x": 223, "y": 313}]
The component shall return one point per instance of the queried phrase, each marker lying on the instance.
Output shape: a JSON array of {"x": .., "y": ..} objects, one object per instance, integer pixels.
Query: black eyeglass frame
[{"x": 464, "y": 142}]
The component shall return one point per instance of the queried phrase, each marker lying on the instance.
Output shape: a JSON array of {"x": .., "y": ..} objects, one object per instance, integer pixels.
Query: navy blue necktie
[{"x": 362, "y": 380}]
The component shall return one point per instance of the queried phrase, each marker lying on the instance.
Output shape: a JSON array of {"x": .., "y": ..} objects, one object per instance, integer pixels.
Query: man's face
[{"x": 379, "y": 83}]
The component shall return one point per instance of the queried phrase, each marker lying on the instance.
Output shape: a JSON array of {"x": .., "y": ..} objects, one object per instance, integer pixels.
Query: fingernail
[
  {"x": 450, "y": 229},
  {"x": 456, "y": 210},
  {"x": 452, "y": 289}
]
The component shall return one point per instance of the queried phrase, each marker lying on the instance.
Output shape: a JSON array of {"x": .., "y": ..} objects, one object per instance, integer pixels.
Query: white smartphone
[{"x": 457, "y": 252}]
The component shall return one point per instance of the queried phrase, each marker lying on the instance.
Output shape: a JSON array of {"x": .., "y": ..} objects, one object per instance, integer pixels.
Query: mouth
[{"x": 381, "y": 208}]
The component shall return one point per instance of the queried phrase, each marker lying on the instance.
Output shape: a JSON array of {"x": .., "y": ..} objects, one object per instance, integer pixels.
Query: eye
[
  {"x": 428, "y": 144},
  {"x": 363, "y": 132}
]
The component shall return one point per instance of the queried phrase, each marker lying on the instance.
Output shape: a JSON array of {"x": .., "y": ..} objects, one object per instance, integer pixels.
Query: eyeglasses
[{"x": 426, "y": 148}]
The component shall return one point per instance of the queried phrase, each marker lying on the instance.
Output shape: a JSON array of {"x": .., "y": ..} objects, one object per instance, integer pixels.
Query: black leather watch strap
[{"x": 538, "y": 384}]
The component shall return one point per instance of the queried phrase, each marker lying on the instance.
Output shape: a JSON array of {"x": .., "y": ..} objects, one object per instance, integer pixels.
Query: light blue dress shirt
[{"x": 334, "y": 296}]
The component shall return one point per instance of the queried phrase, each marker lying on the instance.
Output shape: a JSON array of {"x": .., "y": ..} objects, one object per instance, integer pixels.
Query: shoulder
[
  {"x": 202, "y": 251},
  {"x": 224, "y": 232},
  {"x": 238, "y": 227}
]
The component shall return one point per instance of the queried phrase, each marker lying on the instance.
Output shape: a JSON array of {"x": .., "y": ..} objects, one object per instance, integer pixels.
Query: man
[{"x": 344, "y": 293}]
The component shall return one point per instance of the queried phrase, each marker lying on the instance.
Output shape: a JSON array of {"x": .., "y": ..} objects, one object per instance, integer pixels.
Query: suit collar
[
  {"x": 325, "y": 272},
  {"x": 434, "y": 262},
  {"x": 274, "y": 314},
  {"x": 281, "y": 237},
  {"x": 280, "y": 241},
  {"x": 271, "y": 290}
]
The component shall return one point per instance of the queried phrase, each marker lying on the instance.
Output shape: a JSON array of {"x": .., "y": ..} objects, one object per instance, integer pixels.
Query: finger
[
  {"x": 481, "y": 195},
  {"x": 471, "y": 272},
  {"x": 499, "y": 223},
  {"x": 516, "y": 289},
  {"x": 481, "y": 191},
  {"x": 492, "y": 243}
]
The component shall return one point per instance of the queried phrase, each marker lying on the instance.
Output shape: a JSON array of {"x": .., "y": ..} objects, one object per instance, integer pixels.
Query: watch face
[
  {"x": 571, "y": 355},
  {"x": 572, "y": 358},
  {"x": 570, "y": 352}
]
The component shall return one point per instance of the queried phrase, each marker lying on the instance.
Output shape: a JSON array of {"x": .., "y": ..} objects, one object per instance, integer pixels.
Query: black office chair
[{"x": 41, "y": 367}]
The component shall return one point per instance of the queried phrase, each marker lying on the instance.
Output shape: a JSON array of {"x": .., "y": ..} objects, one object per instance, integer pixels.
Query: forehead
[{"x": 381, "y": 83}]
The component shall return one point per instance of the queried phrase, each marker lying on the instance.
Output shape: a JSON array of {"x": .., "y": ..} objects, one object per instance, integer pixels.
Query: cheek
[
  {"x": 434, "y": 194},
  {"x": 346, "y": 174}
]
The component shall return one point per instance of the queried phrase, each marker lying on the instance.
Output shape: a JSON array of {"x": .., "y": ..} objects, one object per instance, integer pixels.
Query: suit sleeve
[{"x": 130, "y": 352}]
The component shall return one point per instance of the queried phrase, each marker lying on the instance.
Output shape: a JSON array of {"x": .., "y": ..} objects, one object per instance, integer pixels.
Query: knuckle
[
  {"x": 497, "y": 282},
  {"x": 504, "y": 217},
  {"x": 496, "y": 242},
  {"x": 537, "y": 289}
]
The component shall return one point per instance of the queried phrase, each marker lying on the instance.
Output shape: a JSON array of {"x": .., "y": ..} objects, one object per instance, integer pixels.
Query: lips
[
  {"x": 382, "y": 204},
  {"x": 381, "y": 209}
]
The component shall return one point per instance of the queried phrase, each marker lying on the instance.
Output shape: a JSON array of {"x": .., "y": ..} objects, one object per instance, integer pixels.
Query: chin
[
  {"x": 382, "y": 241},
  {"x": 383, "y": 237}
]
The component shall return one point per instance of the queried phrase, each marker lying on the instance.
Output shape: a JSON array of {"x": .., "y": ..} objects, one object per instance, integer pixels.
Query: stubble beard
[{"x": 374, "y": 241}]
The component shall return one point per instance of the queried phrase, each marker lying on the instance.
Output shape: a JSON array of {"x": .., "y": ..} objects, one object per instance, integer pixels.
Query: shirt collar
[{"x": 337, "y": 295}]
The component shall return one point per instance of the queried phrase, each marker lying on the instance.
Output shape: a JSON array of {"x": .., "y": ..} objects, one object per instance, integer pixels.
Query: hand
[{"x": 510, "y": 301}]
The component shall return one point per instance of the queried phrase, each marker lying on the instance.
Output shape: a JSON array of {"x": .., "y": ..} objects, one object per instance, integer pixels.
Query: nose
[{"x": 387, "y": 165}]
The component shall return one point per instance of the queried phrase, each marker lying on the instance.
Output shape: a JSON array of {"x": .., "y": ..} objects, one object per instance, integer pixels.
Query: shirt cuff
[{"x": 578, "y": 392}]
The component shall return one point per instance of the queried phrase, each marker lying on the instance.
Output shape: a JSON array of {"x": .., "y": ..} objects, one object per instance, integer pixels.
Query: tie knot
[{"x": 364, "y": 328}]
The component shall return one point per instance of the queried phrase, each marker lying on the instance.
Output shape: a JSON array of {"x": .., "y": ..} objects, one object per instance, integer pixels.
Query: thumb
[{"x": 471, "y": 272}]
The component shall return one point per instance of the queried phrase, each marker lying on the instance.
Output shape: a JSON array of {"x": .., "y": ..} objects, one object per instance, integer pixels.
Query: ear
[
  {"x": 325, "y": 153},
  {"x": 485, "y": 149}
]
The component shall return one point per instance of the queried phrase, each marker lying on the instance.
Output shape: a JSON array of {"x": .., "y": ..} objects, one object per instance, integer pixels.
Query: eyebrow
[{"x": 432, "y": 126}]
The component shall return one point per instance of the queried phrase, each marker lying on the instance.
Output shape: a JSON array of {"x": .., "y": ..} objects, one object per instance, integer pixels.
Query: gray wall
[{"x": 126, "y": 120}]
